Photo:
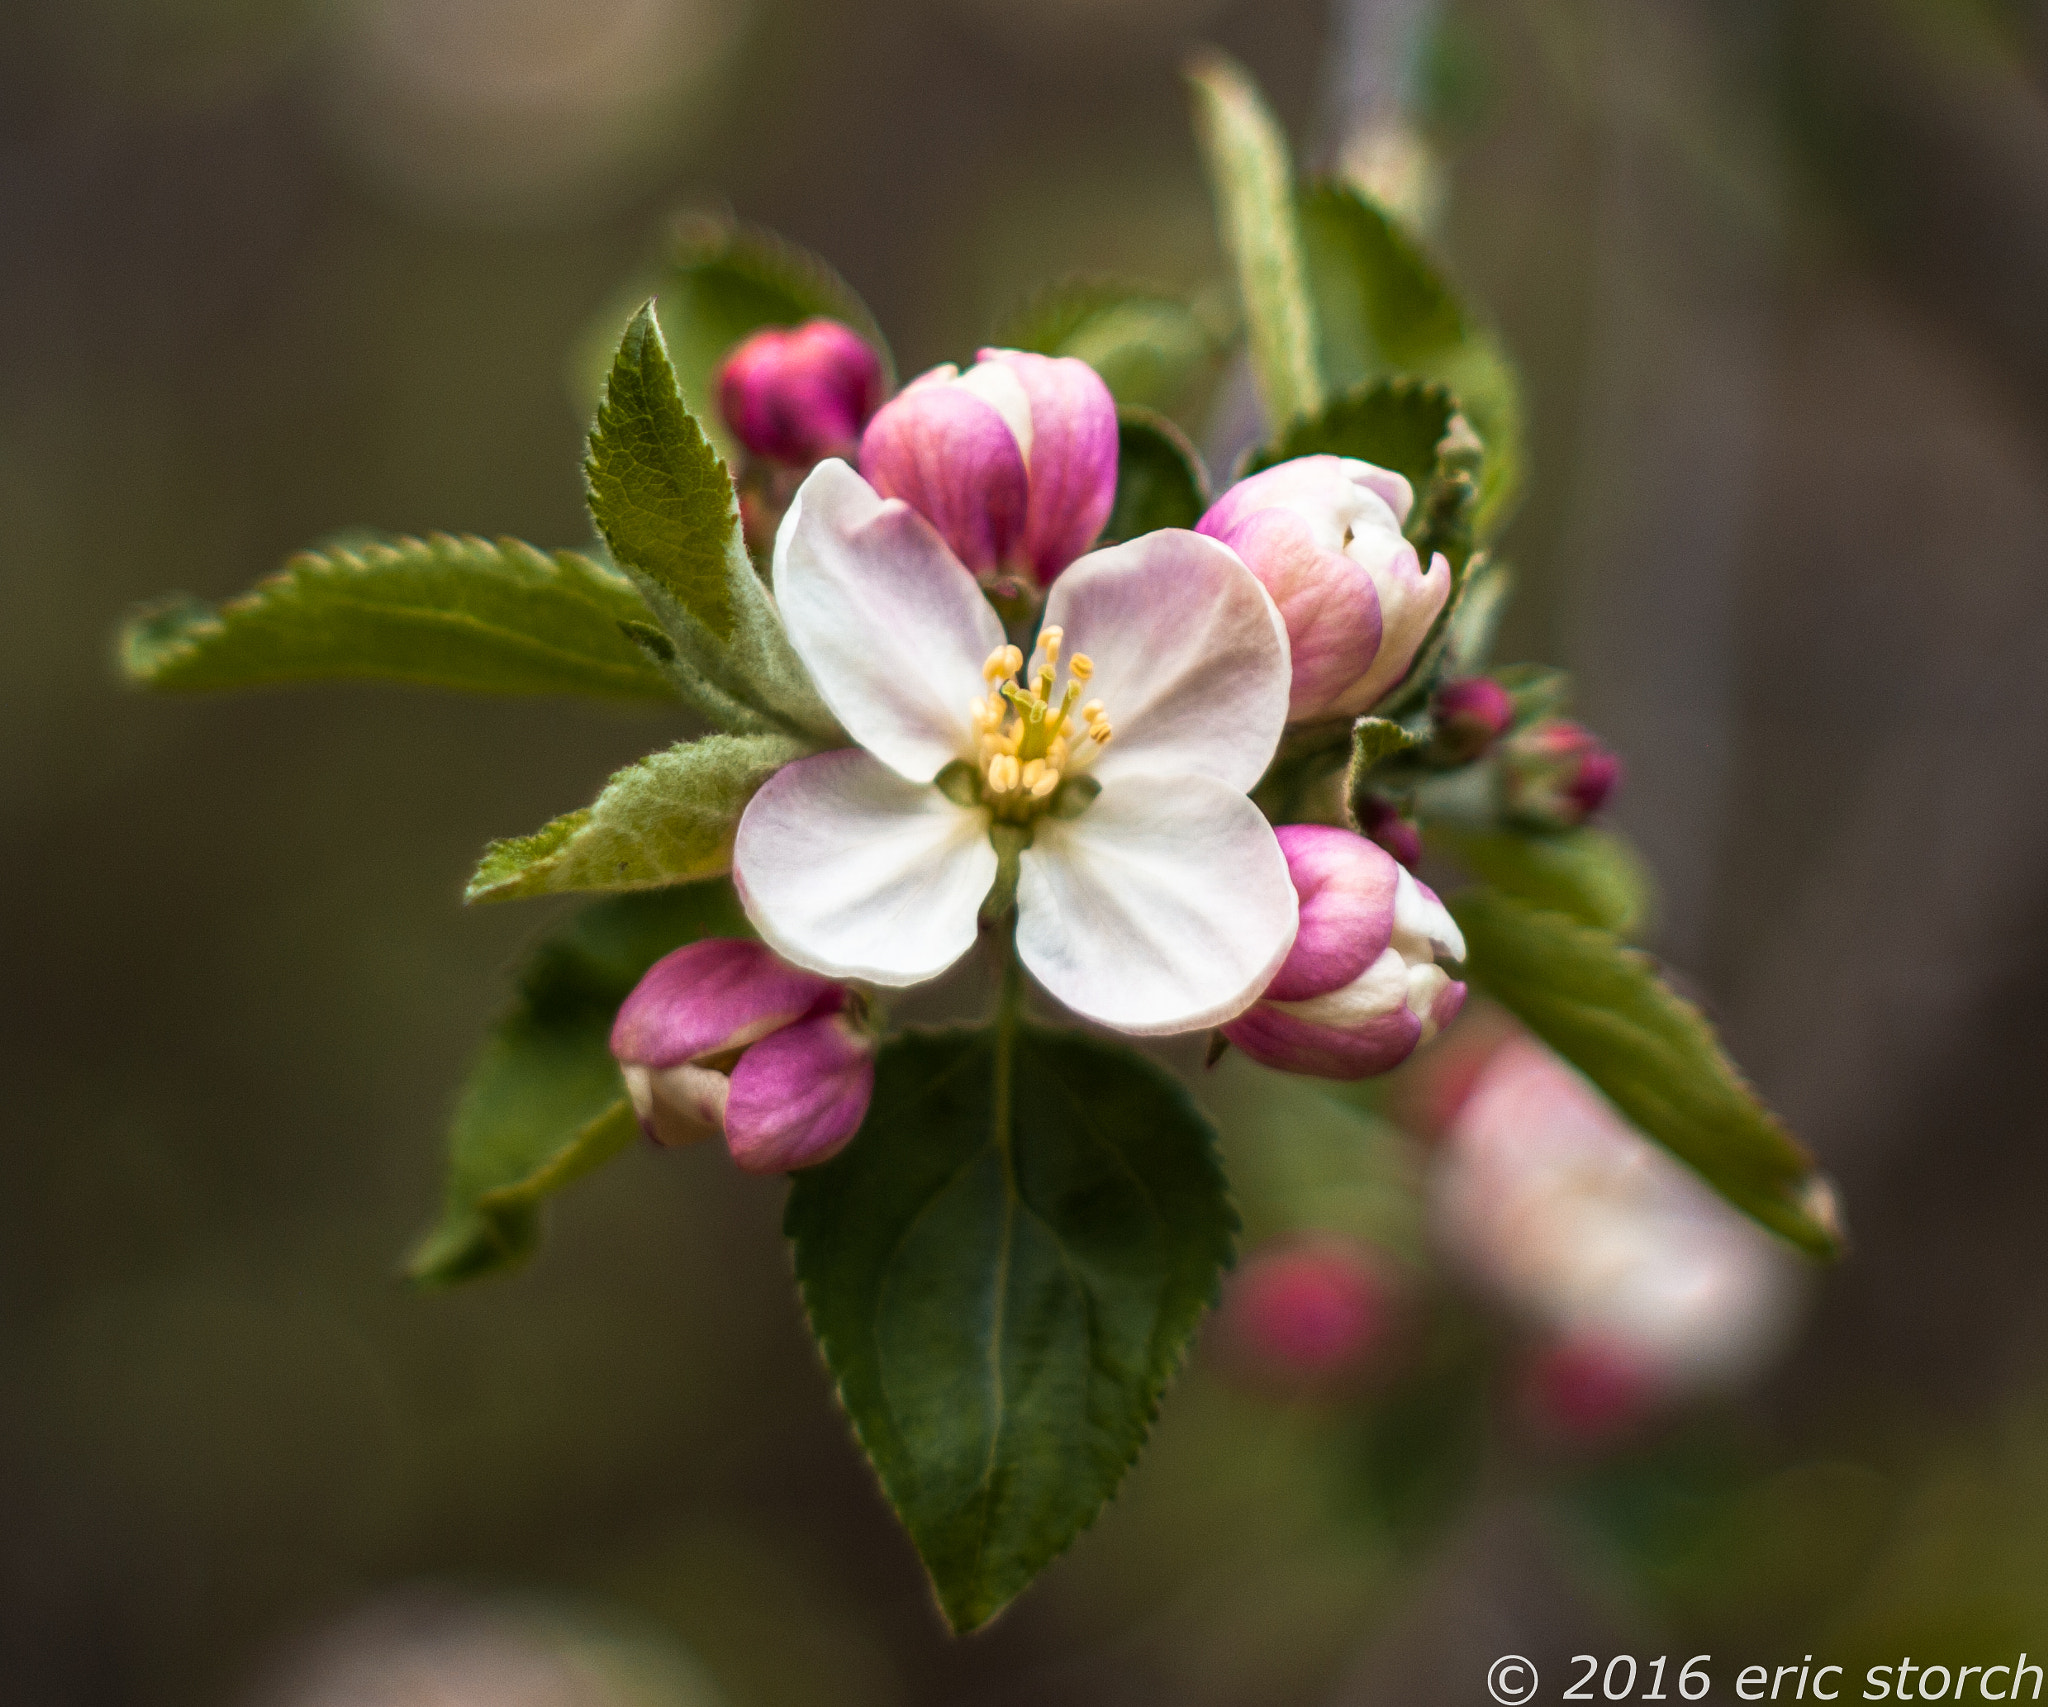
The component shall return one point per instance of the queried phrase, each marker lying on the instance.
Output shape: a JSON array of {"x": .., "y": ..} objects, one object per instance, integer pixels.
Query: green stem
[{"x": 1009, "y": 1015}]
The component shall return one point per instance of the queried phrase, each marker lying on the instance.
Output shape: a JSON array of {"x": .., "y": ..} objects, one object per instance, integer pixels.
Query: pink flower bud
[
  {"x": 1361, "y": 987},
  {"x": 1014, "y": 461},
  {"x": 800, "y": 394},
  {"x": 1588, "y": 1390},
  {"x": 1470, "y": 716},
  {"x": 1556, "y": 774},
  {"x": 1310, "y": 1315},
  {"x": 1323, "y": 535},
  {"x": 721, "y": 1036},
  {"x": 1382, "y": 822}
]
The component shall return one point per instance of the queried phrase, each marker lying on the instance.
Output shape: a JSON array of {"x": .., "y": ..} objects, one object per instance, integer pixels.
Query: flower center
[{"x": 1028, "y": 739}]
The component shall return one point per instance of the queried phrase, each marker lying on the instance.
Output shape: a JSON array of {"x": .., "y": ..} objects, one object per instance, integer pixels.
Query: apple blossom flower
[
  {"x": 797, "y": 394},
  {"x": 1013, "y": 461},
  {"x": 1306, "y": 1313},
  {"x": 1151, "y": 894},
  {"x": 1617, "y": 1253},
  {"x": 1470, "y": 715},
  {"x": 1323, "y": 535},
  {"x": 1556, "y": 774},
  {"x": 720, "y": 1036},
  {"x": 1361, "y": 988}
]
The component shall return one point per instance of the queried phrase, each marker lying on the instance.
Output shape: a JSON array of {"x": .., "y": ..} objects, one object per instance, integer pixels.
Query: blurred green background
[{"x": 1774, "y": 272}]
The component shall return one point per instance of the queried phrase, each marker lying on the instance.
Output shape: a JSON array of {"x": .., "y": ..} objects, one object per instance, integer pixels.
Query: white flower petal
[
  {"x": 1190, "y": 654},
  {"x": 848, "y": 870},
  {"x": 1165, "y": 906},
  {"x": 1423, "y": 926},
  {"x": 894, "y": 629}
]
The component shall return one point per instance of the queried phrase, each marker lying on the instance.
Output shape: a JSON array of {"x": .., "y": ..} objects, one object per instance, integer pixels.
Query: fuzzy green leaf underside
[
  {"x": 1147, "y": 346},
  {"x": 1002, "y": 1334},
  {"x": 1601, "y": 1005},
  {"x": 476, "y": 615},
  {"x": 544, "y": 1103},
  {"x": 669, "y": 818},
  {"x": 1391, "y": 423},
  {"x": 1253, "y": 181}
]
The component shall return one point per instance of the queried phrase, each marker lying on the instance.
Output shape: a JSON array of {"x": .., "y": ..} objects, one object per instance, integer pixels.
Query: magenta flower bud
[
  {"x": 1589, "y": 1389},
  {"x": 1323, "y": 535},
  {"x": 1014, "y": 461},
  {"x": 1382, "y": 822},
  {"x": 1361, "y": 988},
  {"x": 1307, "y": 1315},
  {"x": 799, "y": 394},
  {"x": 721, "y": 1036},
  {"x": 1556, "y": 774},
  {"x": 1470, "y": 716}
]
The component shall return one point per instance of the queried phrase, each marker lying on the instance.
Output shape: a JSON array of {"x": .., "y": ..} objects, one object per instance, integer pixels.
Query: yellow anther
[
  {"x": 1033, "y": 770},
  {"x": 1049, "y": 642},
  {"x": 1080, "y": 666},
  {"x": 1013, "y": 660},
  {"x": 1003, "y": 773},
  {"x": 1099, "y": 731},
  {"x": 996, "y": 667},
  {"x": 1045, "y": 785},
  {"x": 1093, "y": 712}
]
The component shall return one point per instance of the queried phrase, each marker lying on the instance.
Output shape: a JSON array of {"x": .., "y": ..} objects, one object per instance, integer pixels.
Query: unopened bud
[
  {"x": 1307, "y": 1316},
  {"x": 799, "y": 394},
  {"x": 1470, "y": 716},
  {"x": 1382, "y": 822},
  {"x": 1556, "y": 774}
]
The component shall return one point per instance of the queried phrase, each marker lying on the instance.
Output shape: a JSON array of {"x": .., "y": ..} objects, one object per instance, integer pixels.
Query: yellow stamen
[{"x": 1080, "y": 666}]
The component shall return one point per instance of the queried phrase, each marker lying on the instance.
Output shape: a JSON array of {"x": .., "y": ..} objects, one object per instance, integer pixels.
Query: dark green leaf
[
  {"x": 1381, "y": 307},
  {"x": 668, "y": 819},
  {"x": 1374, "y": 740},
  {"x": 665, "y": 505},
  {"x": 1591, "y": 874},
  {"x": 437, "y": 612},
  {"x": 1601, "y": 1005},
  {"x": 1003, "y": 1269},
  {"x": 1538, "y": 690},
  {"x": 1253, "y": 182},
  {"x": 1147, "y": 346},
  {"x": 1422, "y": 1445},
  {"x": 1160, "y": 482},
  {"x": 719, "y": 282},
  {"x": 1391, "y": 423},
  {"x": 544, "y": 1103}
]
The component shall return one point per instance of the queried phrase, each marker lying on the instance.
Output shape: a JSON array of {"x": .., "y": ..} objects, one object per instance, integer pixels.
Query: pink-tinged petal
[
  {"x": 1328, "y": 602},
  {"x": 1072, "y": 456},
  {"x": 1449, "y": 1003},
  {"x": 1423, "y": 926},
  {"x": 1333, "y": 494},
  {"x": 795, "y": 394},
  {"x": 850, "y": 871},
  {"x": 1165, "y": 906},
  {"x": 950, "y": 455},
  {"x": 1346, "y": 886},
  {"x": 677, "y": 1105},
  {"x": 797, "y": 1097},
  {"x": 1409, "y": 603},
  {"x": 708, "y": 997},
  {"x": 894, "y": 632},
  {"x": 1365, "y": 1027},
  {"x": 1190, "y": 657}
]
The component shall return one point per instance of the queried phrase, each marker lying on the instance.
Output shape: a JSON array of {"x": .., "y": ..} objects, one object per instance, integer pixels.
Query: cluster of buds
[
  {"x": 1470, "y": 715},
  {"x": 1361, "y": 988},
  {"x": 1387, "y": 825},
  {"x": 722, "y": 1038},
  {"x": 1556, "y": 774}
]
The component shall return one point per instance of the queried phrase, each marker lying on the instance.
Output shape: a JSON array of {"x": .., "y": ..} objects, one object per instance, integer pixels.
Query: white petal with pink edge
[
  {"x": 893, "y": 628},
  {"x": 1165, "y": 906},
  {"x": 1190, "y": 657},
  {"x": 847, "y": 869}
]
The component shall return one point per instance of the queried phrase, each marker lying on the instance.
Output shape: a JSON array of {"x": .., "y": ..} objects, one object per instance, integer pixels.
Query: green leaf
[
  {"x": 1382, "y": 307},
  {"x": 544, "y": 1103},
  {"x": 1003, "y": 1269},
  {"x": 718, "y": 283},
  {"x": 1253, "y": 181},
  {"x": 438, "y": 612},
  {"x": 665, "y": 505},
  {"x": 1538, "y": 690},
  {"x": 1470, "y": 626},
  {"x": 1148, "y": 346},
  {"x": 1601, "y": 1005},
  {"x": 1160, "y": 482},
  {"x": 1391, "y": 423},
  {"x": 1594, "y": 875},
  {"x": 670, "y": 818}
]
